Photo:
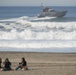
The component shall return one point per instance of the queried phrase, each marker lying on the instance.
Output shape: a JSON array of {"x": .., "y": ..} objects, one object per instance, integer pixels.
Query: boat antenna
[{"x": 42, "y": 6}]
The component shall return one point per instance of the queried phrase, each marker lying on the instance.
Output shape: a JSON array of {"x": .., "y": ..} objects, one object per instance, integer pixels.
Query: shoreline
[{"x": 44, "y": 50}]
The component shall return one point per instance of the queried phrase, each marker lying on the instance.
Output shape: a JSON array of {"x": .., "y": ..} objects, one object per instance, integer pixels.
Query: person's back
[
  {"x": 0, "y": 63},
  {"x": 7, "y": 64}
]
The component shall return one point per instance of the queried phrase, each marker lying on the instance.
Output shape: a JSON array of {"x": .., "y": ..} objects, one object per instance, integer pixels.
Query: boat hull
[{"x": 52, "y": 14}]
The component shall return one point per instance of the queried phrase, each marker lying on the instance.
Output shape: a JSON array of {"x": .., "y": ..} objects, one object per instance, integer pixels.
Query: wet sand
[{"x": 42, "y": 63}]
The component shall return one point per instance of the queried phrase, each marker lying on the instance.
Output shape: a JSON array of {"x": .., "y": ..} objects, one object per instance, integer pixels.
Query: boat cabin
[{"x": 47, "y": 9}]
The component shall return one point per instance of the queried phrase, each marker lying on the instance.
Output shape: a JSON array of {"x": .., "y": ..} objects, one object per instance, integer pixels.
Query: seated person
[
  {"x": 7, "y": 65},
  {"x": 0, "y": 63},
  {"x": 22, "y": 65}
]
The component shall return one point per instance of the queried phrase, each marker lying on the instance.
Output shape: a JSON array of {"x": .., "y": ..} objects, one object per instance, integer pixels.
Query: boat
[{"x": 47, "y": 12}]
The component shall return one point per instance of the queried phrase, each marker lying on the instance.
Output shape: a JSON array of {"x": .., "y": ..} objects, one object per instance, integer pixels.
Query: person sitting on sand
[
  {"x": 7, "y": 65},
  {"x": 0, "y": 63},
  {"x": 22, "y": 65}
]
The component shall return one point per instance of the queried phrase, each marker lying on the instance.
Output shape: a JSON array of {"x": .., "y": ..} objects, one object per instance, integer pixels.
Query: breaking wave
[
  {"x": 31, "y": 32},
  {"x": 24, "y": 28}
]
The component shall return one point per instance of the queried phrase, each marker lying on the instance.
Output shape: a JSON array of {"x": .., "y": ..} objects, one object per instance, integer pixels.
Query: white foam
[
  {"x": 15, "y": 19},
  {"x": 43, "y": 18},
  {"x": 37, "y": 44},
  {"x": 25, "y": 29},
  {"x": 27, "y": 34}
]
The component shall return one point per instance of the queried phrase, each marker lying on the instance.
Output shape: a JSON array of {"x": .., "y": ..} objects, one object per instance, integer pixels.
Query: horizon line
[{"x": 37, "y": 6}]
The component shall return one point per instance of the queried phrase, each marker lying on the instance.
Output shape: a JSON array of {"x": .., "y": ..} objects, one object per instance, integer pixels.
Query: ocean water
[{"x": 21, "y": 30}]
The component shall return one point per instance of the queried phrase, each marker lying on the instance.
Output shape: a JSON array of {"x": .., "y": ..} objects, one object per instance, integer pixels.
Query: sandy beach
[{"x": 42, "y": 63}]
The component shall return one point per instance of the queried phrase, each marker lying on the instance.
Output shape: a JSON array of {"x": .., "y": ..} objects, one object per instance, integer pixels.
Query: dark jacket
[
  {"x": 0, "y": 63},
  {"x": 7, "y": 65}
]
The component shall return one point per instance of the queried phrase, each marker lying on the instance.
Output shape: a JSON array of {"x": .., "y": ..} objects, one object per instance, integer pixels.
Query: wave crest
[{"x": 24, "y": 28}]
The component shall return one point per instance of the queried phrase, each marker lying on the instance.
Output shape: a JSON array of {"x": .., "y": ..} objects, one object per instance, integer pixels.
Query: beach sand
[{"x": 42, "y": 63}]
